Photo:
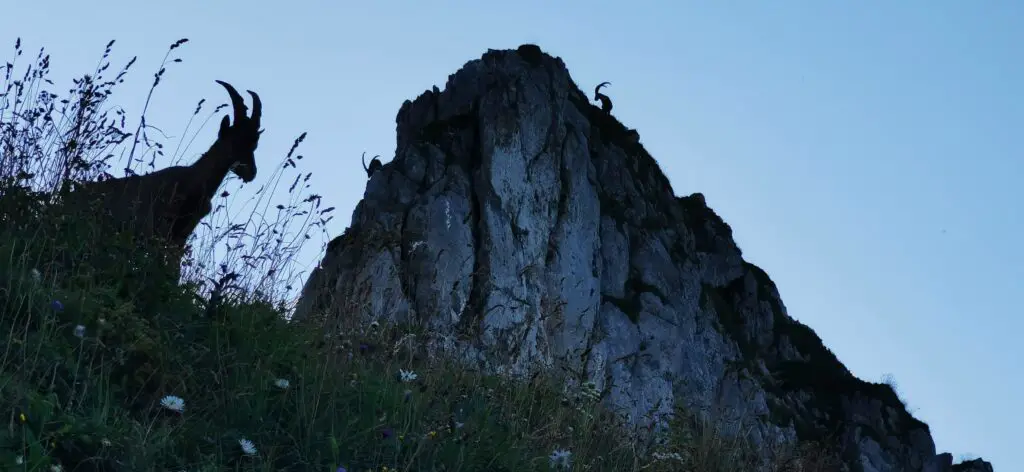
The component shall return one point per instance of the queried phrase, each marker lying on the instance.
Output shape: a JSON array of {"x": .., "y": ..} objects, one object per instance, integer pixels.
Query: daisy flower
[
  {"x": 173, "y": 403},
  {"x": 560, "y": 459},
  {"x": 247, "y": 446}
]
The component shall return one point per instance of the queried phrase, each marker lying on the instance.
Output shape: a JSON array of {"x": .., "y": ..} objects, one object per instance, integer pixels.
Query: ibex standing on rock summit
[
  {"x": 606, "y": 103},
  {"x": 170, "y": 203}
]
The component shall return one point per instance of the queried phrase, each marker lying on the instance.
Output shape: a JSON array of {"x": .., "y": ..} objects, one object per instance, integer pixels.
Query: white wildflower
[
  {"x": 561, "y": 458},
  {"x": 282, "y": 383},
  {"x": 375, "y": 324},
  {"x": 664, "y": 456},
  {"x": 79, "y": 331},
  {"x": 36, "y": 275},
  {"x": 407, "y": 375},
  {"x": 19, "y": 460},
  {"x": 247, "y": 446},
  {"x": 56, "y": 468},
  {"x": 173, "y": 403}
]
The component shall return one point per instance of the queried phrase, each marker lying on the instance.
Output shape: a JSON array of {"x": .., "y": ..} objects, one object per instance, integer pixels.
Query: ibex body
[
  {"x": 170, "y": 203},
  {"x": 606, "y": 103},
  {"x": 374, "y": 166}
]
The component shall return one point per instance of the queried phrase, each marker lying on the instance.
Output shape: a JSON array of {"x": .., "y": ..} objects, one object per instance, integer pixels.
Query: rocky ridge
[{"x": 526, "y": 229}]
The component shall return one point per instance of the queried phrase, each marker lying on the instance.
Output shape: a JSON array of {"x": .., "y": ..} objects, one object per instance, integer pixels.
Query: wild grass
[{"x": 204, "y": 373}]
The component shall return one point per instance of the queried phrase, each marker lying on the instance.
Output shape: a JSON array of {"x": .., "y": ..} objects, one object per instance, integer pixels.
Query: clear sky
[{"x": 868, "y": 155}]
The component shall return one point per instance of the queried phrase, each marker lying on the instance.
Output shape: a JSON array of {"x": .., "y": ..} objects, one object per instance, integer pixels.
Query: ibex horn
[
  {"x": 257, "y": 109},
  {"x": 236, "y": 102}
]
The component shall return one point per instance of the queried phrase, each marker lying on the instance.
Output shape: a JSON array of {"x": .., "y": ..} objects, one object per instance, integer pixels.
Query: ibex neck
[{"x": 211, "y": 169}]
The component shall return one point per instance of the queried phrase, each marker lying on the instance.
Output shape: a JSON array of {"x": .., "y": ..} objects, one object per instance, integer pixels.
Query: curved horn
[
  {"x": 364, "y": 162},
  {"x": 257, "y": 109},
  {"x": 602, "y": 84},
  {"x": 236, "y": 101}
]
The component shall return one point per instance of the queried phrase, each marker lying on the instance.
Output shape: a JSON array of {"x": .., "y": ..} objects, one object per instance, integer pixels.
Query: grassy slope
[{"x": 87, "y": 355}]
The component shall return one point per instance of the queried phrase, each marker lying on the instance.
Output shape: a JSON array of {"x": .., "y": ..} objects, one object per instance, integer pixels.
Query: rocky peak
[{"x": 524, "y": 229}]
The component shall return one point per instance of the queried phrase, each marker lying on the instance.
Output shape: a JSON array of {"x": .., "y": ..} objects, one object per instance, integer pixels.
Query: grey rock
[{"x": 526, "y": 229}]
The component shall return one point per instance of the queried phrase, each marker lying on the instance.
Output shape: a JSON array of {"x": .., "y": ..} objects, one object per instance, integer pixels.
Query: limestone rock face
[{"x": 526, "y": 229}]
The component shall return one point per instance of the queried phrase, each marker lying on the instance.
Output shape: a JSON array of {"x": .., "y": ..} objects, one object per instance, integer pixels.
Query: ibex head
[{"x": 239, "y": 140}]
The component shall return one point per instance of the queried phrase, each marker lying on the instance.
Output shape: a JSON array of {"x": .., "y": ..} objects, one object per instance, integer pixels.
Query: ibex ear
[{"x": 225, "y": 123}]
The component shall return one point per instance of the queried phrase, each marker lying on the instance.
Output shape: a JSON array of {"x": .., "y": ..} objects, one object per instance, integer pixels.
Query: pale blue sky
[{"x": 868, "y": 155}]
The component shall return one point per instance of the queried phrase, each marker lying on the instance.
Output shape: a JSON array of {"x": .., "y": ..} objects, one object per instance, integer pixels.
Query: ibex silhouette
[
  {"x": 168, "y": 204},
  {"x": 375, "y": 165},
  {"x": 606, "y": 103}
]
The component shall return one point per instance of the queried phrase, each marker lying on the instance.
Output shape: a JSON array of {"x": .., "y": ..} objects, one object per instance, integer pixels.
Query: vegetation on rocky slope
[{"x": 120, "y": 367}]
